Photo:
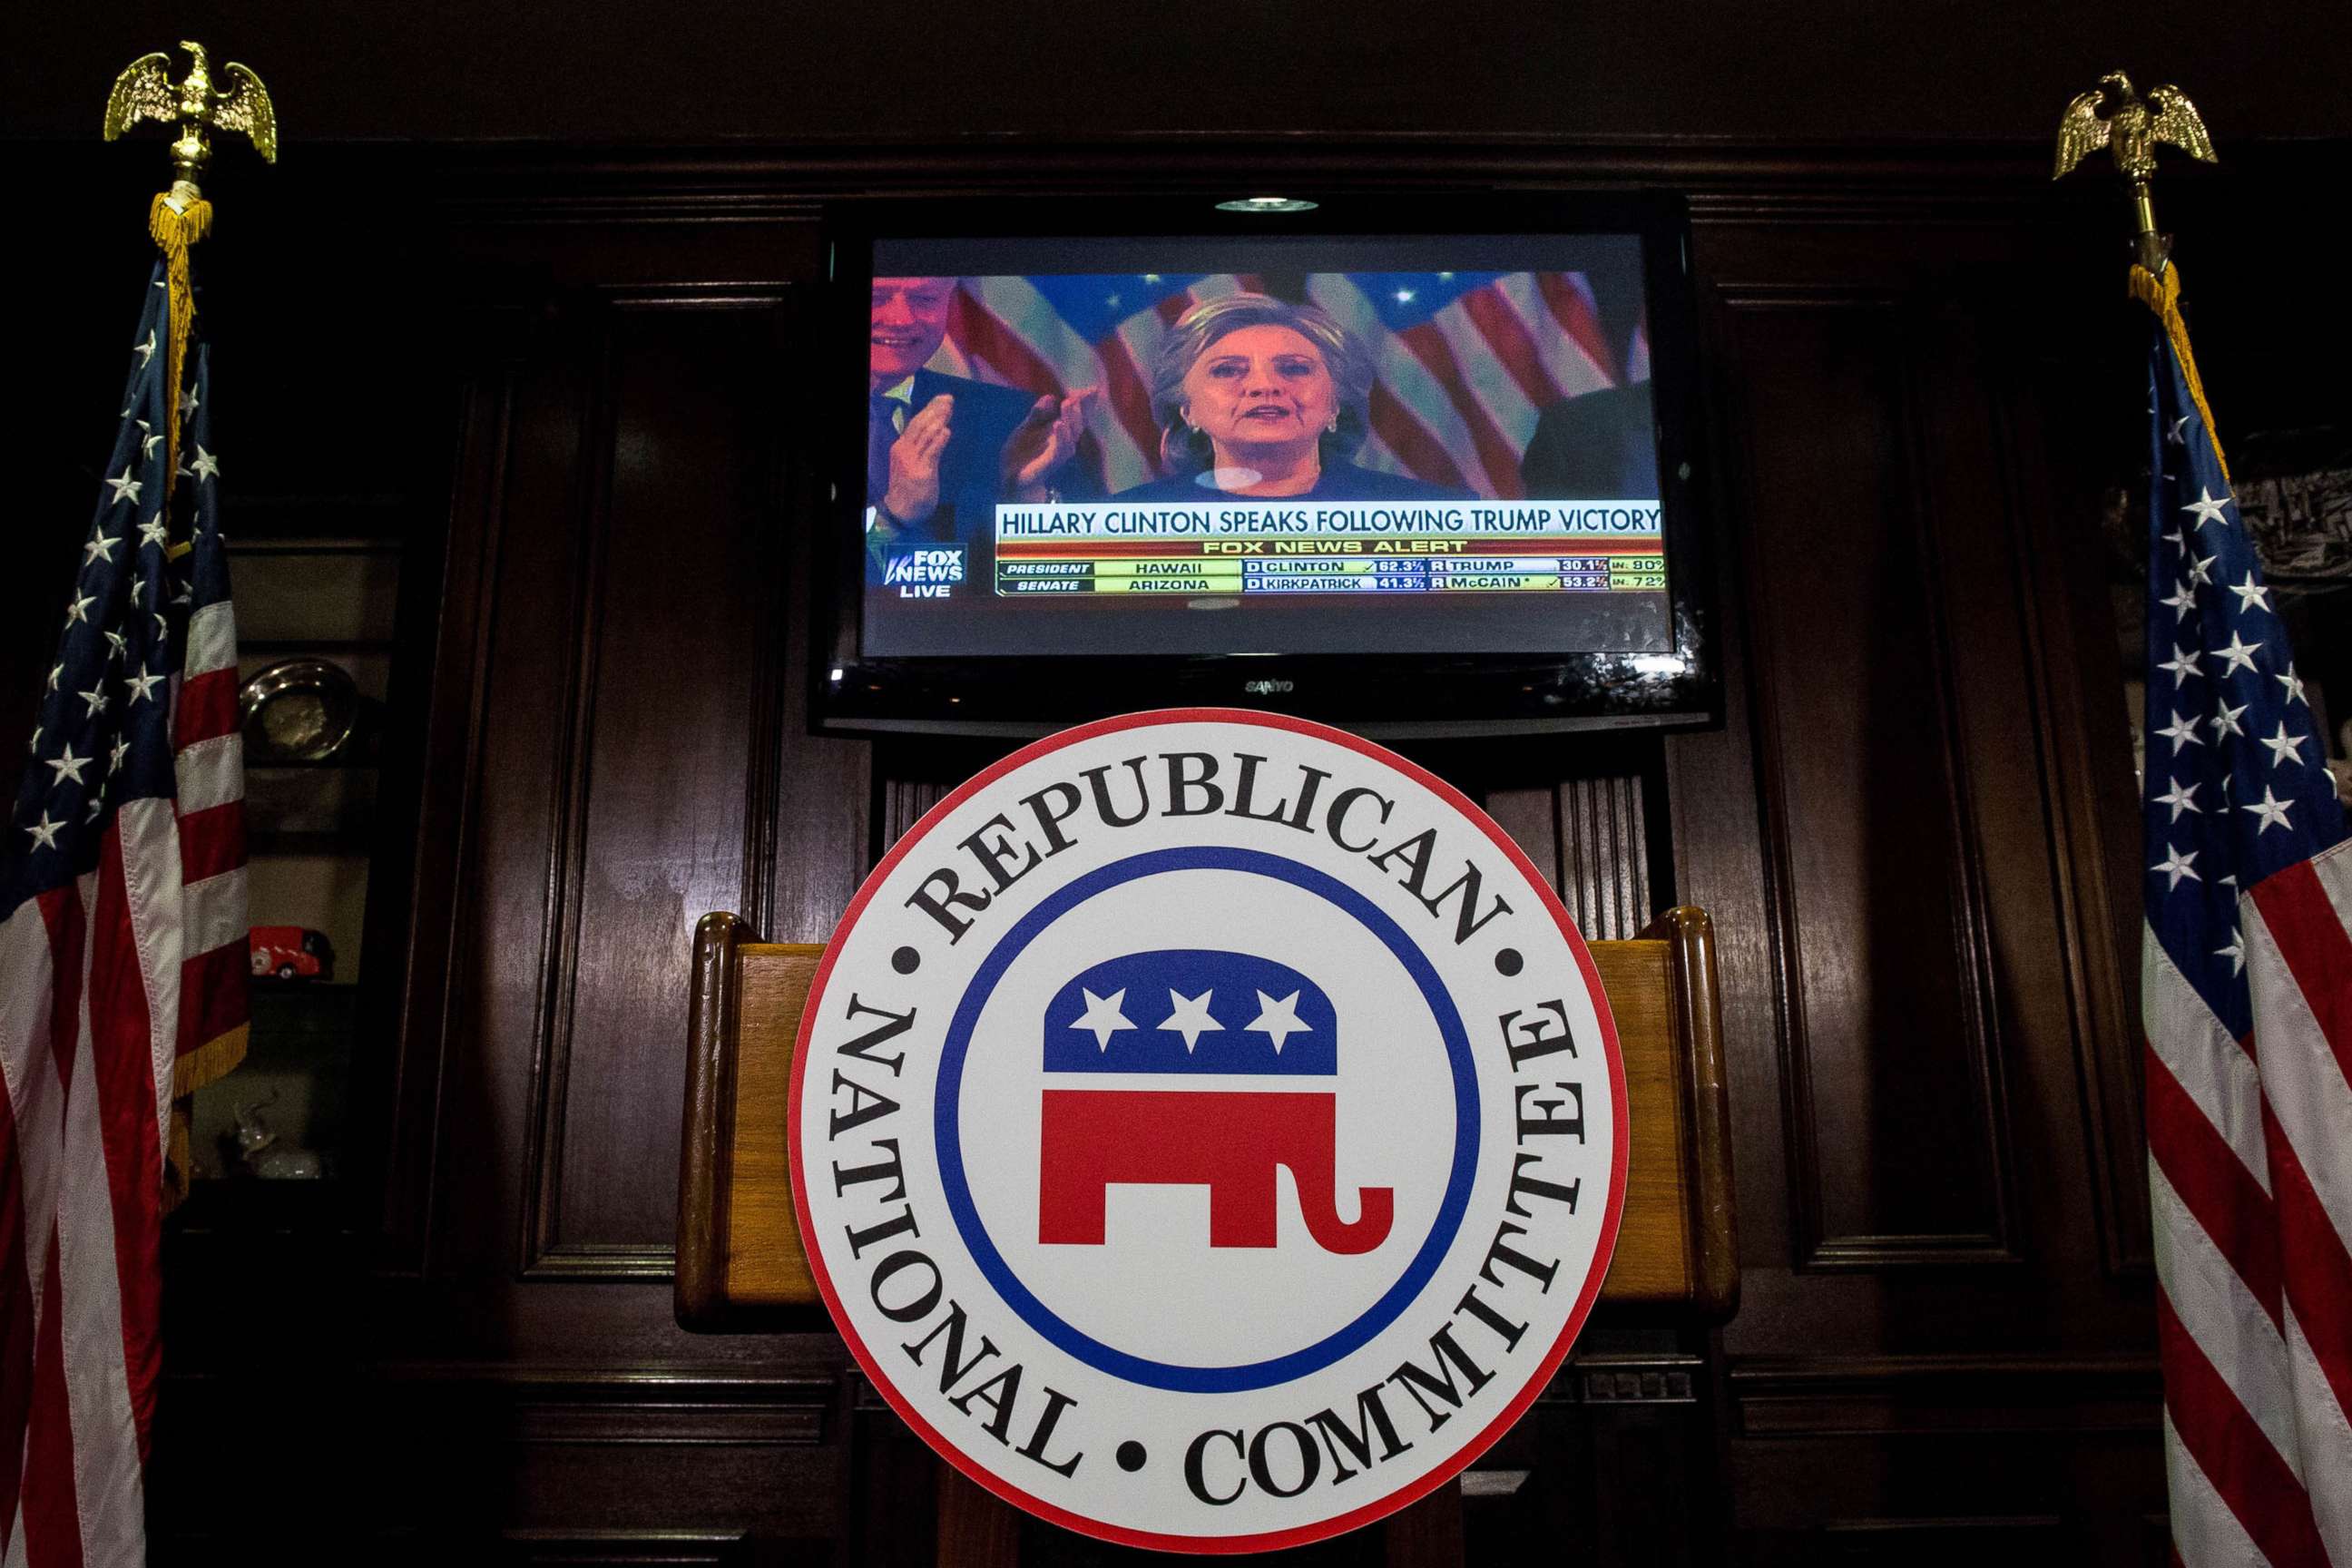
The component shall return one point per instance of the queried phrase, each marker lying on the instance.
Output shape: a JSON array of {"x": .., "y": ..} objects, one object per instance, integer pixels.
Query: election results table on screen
[{"x": 1360, "y": 548}]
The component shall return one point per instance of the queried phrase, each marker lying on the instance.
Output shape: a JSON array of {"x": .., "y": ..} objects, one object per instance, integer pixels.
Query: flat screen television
[{"x": 1409, "y": 465}]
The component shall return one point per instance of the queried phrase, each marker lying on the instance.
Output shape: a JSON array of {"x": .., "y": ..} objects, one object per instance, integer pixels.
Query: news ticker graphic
[
  {"x": 1362, "y": 547},
  {"x": 1109, "y": 548}
]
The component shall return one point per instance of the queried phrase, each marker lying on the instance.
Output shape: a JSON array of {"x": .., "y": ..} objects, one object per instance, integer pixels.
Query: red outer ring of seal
[{"x": 1381, "y": 1507}]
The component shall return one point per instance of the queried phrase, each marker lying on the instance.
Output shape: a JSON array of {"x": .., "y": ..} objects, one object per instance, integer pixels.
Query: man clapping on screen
[{"x": 943, "y": 450}]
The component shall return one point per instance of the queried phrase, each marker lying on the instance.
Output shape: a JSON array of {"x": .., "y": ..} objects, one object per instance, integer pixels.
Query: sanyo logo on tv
[{"x": 1268, "y": 688}]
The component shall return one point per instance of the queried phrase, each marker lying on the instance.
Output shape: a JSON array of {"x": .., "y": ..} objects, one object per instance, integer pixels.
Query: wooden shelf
[
  {"x": 264, "y": 646},
  {"x": 262, "y": 841},
  {"x": 311, "y": 767}
]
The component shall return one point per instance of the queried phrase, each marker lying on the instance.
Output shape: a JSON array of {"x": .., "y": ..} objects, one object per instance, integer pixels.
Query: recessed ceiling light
[{"x": 1267, "y": 205}]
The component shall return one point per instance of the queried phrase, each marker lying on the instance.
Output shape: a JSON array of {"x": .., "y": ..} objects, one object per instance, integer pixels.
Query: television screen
[{"x": 1155, "y": 449}]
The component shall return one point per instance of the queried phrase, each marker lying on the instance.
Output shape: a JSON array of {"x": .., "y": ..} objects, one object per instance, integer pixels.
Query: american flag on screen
[
  {"x": 122, "y": 972},
  {"x": 2247, "y": 994},
  {"x": 1465, "y": 361}
]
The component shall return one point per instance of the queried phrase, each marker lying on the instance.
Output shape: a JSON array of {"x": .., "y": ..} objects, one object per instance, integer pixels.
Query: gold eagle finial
[
  {"x": 145, "y": 92},
  {"x": 2130, "y": 130}
]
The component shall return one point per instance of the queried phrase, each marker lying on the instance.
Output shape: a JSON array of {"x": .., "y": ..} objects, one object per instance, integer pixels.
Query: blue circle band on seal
[{"x": 947, "y": 1106}]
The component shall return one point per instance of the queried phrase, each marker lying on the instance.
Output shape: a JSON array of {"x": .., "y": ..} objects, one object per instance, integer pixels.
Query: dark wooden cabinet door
[{"x": 1944, "y": 1343}]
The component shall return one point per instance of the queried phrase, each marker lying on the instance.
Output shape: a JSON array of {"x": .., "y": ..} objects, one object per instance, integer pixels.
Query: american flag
[
  {"x": 122, "y": 972},
  {"x": 2247, "y": 992},
  {"x": 1464, "y": 361}
]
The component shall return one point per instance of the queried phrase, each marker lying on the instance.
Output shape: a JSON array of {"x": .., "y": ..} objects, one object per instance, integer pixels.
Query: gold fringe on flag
[
  {"x": 200, "y": 1069},
  {"x": 2162, "y": 295}
]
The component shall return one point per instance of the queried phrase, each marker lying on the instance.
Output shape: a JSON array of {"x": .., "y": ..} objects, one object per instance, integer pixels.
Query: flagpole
[{"x": 176, "y": 219}]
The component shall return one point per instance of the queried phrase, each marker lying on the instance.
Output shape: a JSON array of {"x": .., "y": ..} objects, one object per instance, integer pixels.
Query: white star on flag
[
  {"x": 2181, "y": 732},
  {"x": 2293, "y": 684},
  {"x": 2183, "y": 663},
  {"x": 1278, "y": 1020},
  {"x": 1102, "y": 1016},
  {"x": 206, "y": 467},
  {"x": 2207, "y": 509},
  {"x": 100, "y": 548},
  {"x": 44, "y": 832},
  {"x": 2270, "y": 809},
  {"x": 2181, "y": 798},
  {"x": 141, "y": 685},
  {"x": 67, "y": 766},
  {"x": 2235, "y": 952},
  {"x": 2175, "y": 865},
  {"x": 2239, "y": 655},
  {"x": 2250, "y": 592},
  {"x": 2225, "y": 720},
  {"x": 2285, "y": 748},
  {"x": 1191, "y": 1018},
  {"x": 126, "y": 488}
]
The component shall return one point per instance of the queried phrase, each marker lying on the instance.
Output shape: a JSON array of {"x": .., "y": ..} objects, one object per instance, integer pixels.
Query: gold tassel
[
  {"x": 175, "y": 229},
  {"x": 2162, "y": 295}
]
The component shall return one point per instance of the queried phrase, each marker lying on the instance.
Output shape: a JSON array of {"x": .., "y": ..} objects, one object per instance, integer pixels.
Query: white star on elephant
[
  {"x": 1102, "y": 1016},
  {"x": 1191, "y": 1018},
  {"x": 1278, "y": 1019}
]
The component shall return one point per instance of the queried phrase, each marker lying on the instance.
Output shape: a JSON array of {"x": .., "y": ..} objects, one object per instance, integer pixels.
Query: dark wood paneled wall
[{"x": 1904, "y": 827}]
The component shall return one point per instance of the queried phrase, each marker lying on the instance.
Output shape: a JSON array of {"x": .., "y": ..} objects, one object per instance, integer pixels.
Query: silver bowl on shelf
[{"x": 298, "y": 711}]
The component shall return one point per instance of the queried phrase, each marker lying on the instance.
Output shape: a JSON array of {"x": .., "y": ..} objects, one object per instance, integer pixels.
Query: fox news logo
[
  {"x": 1207, "y": 1131},
  {"x": 927, "y": 572}
]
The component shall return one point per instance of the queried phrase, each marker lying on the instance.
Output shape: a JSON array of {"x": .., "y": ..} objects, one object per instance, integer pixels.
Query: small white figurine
[{"x": 262, "y": 1151}]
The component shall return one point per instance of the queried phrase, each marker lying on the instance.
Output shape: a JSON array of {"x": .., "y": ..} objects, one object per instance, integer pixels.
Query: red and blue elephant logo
[{"x": 1131, "y": 1025}]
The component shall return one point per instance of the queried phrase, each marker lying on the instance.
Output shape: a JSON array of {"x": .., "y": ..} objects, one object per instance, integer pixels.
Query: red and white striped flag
[
  {"x": 122, "y": 970},
  {"x": 2247, "y": 994}
]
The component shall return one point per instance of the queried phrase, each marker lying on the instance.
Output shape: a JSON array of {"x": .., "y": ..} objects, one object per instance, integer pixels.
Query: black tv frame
[{"x": 1391, "y": 694}]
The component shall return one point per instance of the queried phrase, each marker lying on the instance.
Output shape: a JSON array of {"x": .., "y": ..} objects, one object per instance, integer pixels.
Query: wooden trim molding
[
  {"x": 703, "y": 1166},
  {"x": 1958, "y": 1395},
  {"x": 1697, "y": 1002}
]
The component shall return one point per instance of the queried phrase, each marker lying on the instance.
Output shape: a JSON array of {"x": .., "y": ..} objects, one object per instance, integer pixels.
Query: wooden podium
[{"x": 739, "y": 1266}]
